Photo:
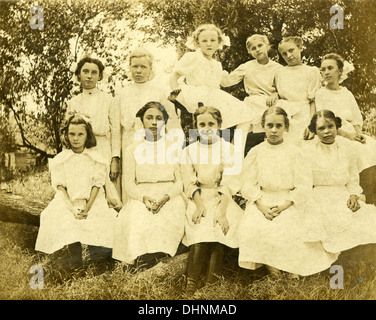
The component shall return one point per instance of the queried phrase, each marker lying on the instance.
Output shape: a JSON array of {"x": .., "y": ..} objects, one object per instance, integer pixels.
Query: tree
[
  {"x": 176, "y": 19},
  {"x": 36, "y": 61}
]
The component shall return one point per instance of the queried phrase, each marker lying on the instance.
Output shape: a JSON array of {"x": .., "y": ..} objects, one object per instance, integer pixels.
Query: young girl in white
[
  {"x": 212, "y": 216},
  {"x": 79, "y": 210},
  {"x": 339, "y": 219},
  {"x": 103, "y": 111},
  {"x": 342, "y": 103},
  {"x": 142, "y": 89},
  {"x": 296, "y": 85},
  {"x": 277, "y": 181},
  {"x": 258, "y": 77},
  {"x": 203, "y": 75},
  {"x": 151, "y": 224}
]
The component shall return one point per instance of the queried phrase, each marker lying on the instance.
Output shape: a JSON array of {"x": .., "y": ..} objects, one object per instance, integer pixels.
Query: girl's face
[
  {"x": 330, "y": 71},
  {"x": 153, "y": 122},
  {"x": 326, "y": 130},
  {"x": 140, "y": 69},
  {"x": 207, "y": 128},
  {"x": 208, "y": 42},
  {"x": 274, "y": 128},
  {"x": 259, "y": 50},
  {"x": 89, "y": 75},
  {"x": 291, "y": 53},
  {"x": 77, "y": 136}
]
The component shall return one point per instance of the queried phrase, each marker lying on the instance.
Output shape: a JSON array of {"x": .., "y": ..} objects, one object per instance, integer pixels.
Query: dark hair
[
  {"x": 90, "y": 142},
  {"x": 336, "y": 57},
  {"x": 152, "y": 104},
  {"x": 81, "y": 63},
  {"x": 327, "y": 115},
  {"x": 277, "y": 111},
  {"x": 215, "y": 113}
]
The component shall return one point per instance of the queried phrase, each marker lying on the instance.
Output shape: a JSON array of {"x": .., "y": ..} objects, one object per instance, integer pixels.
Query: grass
[{"x": 166, "y": 280}]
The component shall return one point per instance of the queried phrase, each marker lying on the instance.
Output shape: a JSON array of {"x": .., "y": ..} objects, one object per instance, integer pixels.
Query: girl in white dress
[
  {"x": 277, "y": 181},
  {"x": 141, "y": 90},
  {"x": 103, "y": 111},
  {"x": 151, "y": 224},
  {"x": 79, "y": 211},
  {"x": 342, "y": 103},
  {"x": 210, "y": 179},
  {"x": 203, "y": 75},
  {"x": 258, "y": 77},
  {"x": 339, "y": 219},
  {"x": 296, "y": 85}
]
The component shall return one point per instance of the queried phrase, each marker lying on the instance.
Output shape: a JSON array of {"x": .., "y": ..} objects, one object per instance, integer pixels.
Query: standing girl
[
  {"x": 79, "y": 210},
  {"x": 258, "y": 77},
  {"x": 133, "y": 97},
  {"x": 342, "y": 221},
  {"x": 103, "y": 111},
  {"x": 151, "y": 224},
  {"x": 277, "y": 182},
  {"x": 296, "y": 85},
  {"x": 203, "y": 75},
  {"x": 212, "y": 216},
  {"x": 341, "y": 102}
]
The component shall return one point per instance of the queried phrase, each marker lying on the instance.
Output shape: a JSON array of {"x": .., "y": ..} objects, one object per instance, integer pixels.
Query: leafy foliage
[{"x": 239, "y": 19}]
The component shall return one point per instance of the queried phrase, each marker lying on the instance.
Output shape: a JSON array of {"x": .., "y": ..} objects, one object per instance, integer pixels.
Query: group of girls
[{"x": 303, "y": 196}]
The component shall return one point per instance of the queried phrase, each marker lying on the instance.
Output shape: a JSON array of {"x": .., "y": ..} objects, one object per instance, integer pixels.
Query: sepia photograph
[{"x": 187, "y": 156}]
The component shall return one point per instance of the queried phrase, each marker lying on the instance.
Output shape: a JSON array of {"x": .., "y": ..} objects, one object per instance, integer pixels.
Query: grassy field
[{"x": 165, "y": 281}]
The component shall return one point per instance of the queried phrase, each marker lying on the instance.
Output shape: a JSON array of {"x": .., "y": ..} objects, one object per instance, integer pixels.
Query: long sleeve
[
  {"x": 250, "y": 189},
  {"x": 188, "y": 173},
  {"x": 114, "y": 120},
  {"x": 235, "y": 76},
  {"x": 177, "y": 187},
  {"x": 353, "y": 184},
  {"x": 303, "y": 181},
  {"x": 130, "y": 185}
]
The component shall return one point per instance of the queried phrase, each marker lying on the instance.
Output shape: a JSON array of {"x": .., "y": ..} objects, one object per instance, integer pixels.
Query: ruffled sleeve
[
  {"x": 235, "y": 76},
  {"x": 250, "y": 188},
  {"x": 187, "y": 63},
  {"x": 314, "y": 83},
  {"x": 357, "y": 118},
  {"x": 57, "y": 169}
]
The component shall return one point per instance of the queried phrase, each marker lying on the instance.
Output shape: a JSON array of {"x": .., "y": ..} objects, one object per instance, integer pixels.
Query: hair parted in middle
[
  {"x": 277, "y": 111},
  {"x": 327, "y": 115},
  {"x": 336, "y": 57},
  {"x": 153, "y": 104},
  {"x": 90, "y": 142}
]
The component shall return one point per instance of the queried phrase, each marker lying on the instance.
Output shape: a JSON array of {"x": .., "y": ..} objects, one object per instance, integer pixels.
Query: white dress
[
  {"x": 258, "y": 82},
  {"x": 132, "y": 99},
  {"x": 343, "y": 104},
  {"x": 274, "y": 174},
  {"x": 296, "y": 87},
  {"x": 78, "y": 173},
  {"x": 103, "y": 111},
  {"x": 151, "y": 172},
  {"x": 204, "y": 168},
  {"x": 335, "y": 178},
  {"x": 203, "y": 78}
]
